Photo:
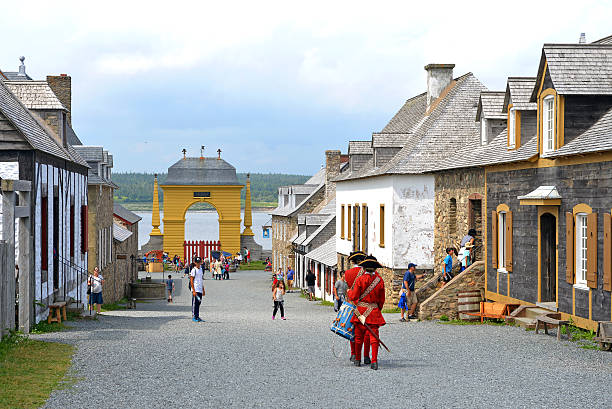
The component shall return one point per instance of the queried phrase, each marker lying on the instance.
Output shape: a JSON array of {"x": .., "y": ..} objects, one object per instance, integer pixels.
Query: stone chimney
[
  {"x": 439, "y": 76},
  {"x": 332, "y": 170},
  {"x": 22, "y": 72},
  {"x": 62, "y": 87}
]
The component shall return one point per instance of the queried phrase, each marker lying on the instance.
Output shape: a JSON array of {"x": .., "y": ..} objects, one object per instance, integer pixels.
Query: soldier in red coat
[
  {"x": 368, "y": 294},
  {"x": 350, "y": 275}
]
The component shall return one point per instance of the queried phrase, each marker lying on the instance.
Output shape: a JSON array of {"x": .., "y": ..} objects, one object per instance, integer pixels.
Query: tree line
[{"x": 137, "y": 187}]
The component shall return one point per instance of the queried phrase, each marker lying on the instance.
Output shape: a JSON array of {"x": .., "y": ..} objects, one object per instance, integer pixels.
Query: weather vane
[
  {"x": 184, "y": 153},
  {"x": 202, "y": 152},
  {"x": 219, "y": 153}
]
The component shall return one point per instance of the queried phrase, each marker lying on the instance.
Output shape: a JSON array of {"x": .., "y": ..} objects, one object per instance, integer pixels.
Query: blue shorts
[{"x": 95, "y": 298}]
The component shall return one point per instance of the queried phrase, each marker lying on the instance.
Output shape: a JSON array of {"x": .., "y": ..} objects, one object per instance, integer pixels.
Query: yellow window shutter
[
  {"x": 569, "y": 247},
  {"x": 592, "y": 250},
  {"x": 607, "y": 248},
  {"x": 494, "y": 238},
  {"x": 509, "y": 241}
]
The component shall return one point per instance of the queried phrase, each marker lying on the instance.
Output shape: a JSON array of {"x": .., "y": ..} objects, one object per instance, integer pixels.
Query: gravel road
[{"x": 156, "y": 357}]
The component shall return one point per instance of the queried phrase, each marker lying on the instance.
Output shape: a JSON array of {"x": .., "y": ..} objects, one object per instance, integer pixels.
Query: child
[
  {"x": 448, "y": 265},
  {"x": 277, "y": 296},
  {"x": 170, "y": 287}
]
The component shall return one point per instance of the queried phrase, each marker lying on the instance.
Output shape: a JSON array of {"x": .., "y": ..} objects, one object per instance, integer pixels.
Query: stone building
[
  {"x": 300, "y": 199},
  {"x": 385, "y": 202},
  {"x": 35, "y": 147},
  {"x": 125, "y": 235}
]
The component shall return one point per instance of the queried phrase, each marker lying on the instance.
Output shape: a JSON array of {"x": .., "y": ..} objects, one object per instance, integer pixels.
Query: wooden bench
[
  {"x": 553, "y": 319},
  {"x": 495, "y": 310},
  {"x": 58, "y": 309}
]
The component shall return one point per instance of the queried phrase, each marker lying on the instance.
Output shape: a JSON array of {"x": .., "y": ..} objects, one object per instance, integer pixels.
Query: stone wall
[
  {"x": 332, "y": 170},
  {"x": 444, "y": 300},
  {"x": 452, "y": 219},
  {"x": 62, "y": 88}
]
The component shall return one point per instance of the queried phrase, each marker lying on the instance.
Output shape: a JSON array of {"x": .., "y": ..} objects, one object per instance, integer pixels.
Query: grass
[
  {"x": 325, "y": 303},
  {"x": 477, "y": 322},
  {"x": 30, "y": 370},
  {"x": 44, "y": 327},
  {"x": 582, "y": 337},
  {"x": 255, "y": 265},
  {"x": 117, "y": 305},
  {"x": 393, "y": 310}
]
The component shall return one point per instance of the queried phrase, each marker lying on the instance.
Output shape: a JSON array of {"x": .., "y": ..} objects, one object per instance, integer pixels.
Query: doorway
[{"x": 548, "y": 257}]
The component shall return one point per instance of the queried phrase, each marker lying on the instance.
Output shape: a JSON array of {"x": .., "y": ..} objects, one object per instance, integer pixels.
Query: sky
[{"x": 273, "y": 84}]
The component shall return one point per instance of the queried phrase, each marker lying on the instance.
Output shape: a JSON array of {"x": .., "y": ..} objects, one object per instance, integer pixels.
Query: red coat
[
  {"x": 350, "y": 275},
  {"x": 376, "y": 296}
]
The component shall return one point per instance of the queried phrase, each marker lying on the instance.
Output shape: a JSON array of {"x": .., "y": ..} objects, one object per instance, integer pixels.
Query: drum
[{"x": 342, "y": 325}]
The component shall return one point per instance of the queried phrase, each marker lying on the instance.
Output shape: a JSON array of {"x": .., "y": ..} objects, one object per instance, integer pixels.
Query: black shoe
[
  {"x": 366, "y": 360},
  {"x": 374, "y": 365},
  {"x": 357, "y": 363},
  {"x": 412, "y": 317},
  {"x": 352, "y": 358}
]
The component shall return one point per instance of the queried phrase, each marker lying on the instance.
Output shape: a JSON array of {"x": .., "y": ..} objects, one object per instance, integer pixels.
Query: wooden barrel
[{"x": 468, "y": 301}]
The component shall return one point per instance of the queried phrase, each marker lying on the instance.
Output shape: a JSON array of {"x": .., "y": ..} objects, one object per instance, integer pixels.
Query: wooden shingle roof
[
  {"x": 35, "y": 94},
  {"x": 597, "y": 138},
  {"x": 490, "y": 105},
  {"x": 518, "y": 91},
  {"x": 360, "y": 148}
]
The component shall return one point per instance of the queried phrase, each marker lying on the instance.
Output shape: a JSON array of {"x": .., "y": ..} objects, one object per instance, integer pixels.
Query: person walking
[
  {"x": 448, "y": 265},
  {"x": 290, "y": 274},
  {"x": 170, "y": 287},
  {"x": 310, "y": 282},
  {"x": 95, "y": 281},
  {"x": 340, "y": 289},
  {"x": 408, "y": 299},
  {"x": 277, "y": 296},
  {"x": 196, "y": 280}
]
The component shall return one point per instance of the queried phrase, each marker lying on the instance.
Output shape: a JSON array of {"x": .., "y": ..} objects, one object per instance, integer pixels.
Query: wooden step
[
  {"x": 552, "y": 306},
  {"x": 525, "y": 322},
  {"x": 534, "y": 312}
]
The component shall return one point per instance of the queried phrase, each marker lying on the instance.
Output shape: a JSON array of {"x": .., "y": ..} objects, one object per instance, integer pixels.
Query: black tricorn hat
[
  {"x": 370, "y": 262},
  {"x": 357, "y": 256}
]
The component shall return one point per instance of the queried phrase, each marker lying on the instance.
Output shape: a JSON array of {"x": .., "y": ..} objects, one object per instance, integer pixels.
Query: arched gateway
[{"x": 209, "y": 180}]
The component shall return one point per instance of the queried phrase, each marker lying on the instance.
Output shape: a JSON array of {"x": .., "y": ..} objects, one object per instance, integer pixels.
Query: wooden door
[{"x": 548, "y": 257}]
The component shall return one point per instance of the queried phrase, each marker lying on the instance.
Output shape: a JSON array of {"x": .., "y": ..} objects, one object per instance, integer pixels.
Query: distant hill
[{"x": 136, "y": 189}]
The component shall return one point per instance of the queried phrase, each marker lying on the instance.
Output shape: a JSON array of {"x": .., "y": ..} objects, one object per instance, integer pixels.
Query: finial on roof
[
  {"x": 184, "y": 153},
  {"x": 22, "y": 66},
  {"x": 582, "y": 38},
  {"x": 219, "y": 153}
]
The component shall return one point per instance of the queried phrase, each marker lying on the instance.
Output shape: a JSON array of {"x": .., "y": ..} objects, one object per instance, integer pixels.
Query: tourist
[
  {"x": 95, "y": 281},
  {"x": 245, "y": 254},
  {"x": 408, "y": 298},
  {"x": 239, "y": 258},
  {"x": 368, "y": 294},
  {"x": 310, "y": 282},
  {"x": 448, "y": 265},
  {"x": 170, "y": 287},
  {"x": 280, "y": 276},
  {"x": 175, "y": 262},
  {"x": 290, "y": 274},
  {"x": 217, "y": 269},
  {"x": 470, "y": 237},
  {"x": 340, "y": 289},
  {"x": 249, "y": 256},
  {"x": 465, "y": 256},
  {"x": 277, "y": 296},
  {"x": 196, "y": 281}
]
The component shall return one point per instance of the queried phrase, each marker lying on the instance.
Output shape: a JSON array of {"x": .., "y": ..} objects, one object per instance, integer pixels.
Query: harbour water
[{"x": 204, "y": 225}]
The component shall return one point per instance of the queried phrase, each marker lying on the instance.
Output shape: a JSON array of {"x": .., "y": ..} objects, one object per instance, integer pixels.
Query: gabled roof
[
  {"x": 389, "y": 140},
  {"x": 120, "y": 234},
  {"x": 577, "y": 69},
  {"x": 35, "y": 133},
  {"x": 605, "y": 40},
  {"x": 317, "y": 178},
  {"x": 35, "y": 94},
  {"x": 360, "y": 148},
  {"x": 519, "y": 89},
  {"x": 490, "y": 105},
  {"x": 408, "y": 118},
  {"x": 90, "y": 153},
  {"x": 325, "y": 253},
  {"x": 322, "y": 226},
  {"x": 125, "y": 214},
  {"x": 15, "y": 76}
]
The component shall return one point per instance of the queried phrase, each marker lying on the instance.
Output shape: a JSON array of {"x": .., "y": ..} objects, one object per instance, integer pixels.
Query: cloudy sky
[{"x": 271, "y": 83}]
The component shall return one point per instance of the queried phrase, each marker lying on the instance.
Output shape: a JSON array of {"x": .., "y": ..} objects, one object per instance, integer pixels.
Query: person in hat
[
  {"x": 350, "y": 276},
  {"x": 368, "y": 293},
  {"x": 196, "y": 279},
  {"x": 408, "y": 299}
]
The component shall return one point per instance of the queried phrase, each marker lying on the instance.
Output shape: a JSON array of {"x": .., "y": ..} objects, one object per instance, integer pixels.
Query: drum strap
[
  {"x": 369, "y": 306},
  {"x": 368, "y": 290},
  {"x": 359, "y": 274}
]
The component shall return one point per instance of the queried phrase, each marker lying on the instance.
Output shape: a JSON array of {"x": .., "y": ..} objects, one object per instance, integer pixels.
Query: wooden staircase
[{"x": 525, "y": 315}]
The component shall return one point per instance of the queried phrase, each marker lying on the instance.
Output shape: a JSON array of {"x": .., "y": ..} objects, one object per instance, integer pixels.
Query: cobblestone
[{"x": 156, "y": 357}]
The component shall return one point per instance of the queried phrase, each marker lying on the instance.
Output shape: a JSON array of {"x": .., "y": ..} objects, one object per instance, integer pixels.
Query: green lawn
[
  {"x": 255, "y": 265},
  {"x": 30, "y": 370}
]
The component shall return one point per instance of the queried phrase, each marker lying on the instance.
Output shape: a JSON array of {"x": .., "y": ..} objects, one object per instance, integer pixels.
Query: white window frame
[
  {"x": 548, "y": 124},
  {"x": 581, "y": 249},
  {"x": 501, "y": 241},
  {"x": 483, "y": 131},
  {"x": 512, "y": 129}
]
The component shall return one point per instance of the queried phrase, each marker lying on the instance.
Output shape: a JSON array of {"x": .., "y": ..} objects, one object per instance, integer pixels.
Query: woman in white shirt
[{"x": 277, "y": 296}]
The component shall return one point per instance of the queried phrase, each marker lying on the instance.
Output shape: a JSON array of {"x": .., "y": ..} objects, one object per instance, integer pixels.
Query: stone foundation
[{"x": 444, "y": 300}]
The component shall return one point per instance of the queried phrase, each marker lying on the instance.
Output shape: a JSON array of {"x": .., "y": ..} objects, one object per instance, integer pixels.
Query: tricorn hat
[
  {"x": 370, "y": 262},
  {"x": 357, "y": 256}
]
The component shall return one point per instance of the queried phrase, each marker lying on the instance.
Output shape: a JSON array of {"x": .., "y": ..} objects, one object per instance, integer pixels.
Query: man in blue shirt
[
  {"x": 408, "y": 298},
  {"x": 290, "y": 274},
  {"x": 448, "y": 265}
]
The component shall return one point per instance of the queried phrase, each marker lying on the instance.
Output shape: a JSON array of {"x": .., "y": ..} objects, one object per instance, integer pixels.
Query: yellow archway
[{"x": 196, "y": 180}]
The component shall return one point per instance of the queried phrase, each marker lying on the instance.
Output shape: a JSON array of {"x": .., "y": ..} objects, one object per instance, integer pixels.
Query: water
[{"x": 203, "y": 225}]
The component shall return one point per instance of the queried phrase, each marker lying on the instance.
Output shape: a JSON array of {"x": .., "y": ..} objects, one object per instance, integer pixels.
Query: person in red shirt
[
  {"x": 368, "y": 294},
  {"x": 350, "y": 275}
]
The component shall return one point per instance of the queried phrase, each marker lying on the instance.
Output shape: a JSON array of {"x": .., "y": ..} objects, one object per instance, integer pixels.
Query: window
[
  {"x": 512, "y": 128},
  {"x": 342, "y": 221},
  {"x": 348, "y": 222},
  {"x": 72, "y": 230},
  {"x": 501, "y": 247},
  {"x": 581, "y": 248},
  {"x": 364, "y": 228},
  {"x": 548, "y": 124},
  {"x": 483, "y": 131},
  {"x": 84, "y": 230},
  {"x": 44, "y": 236},
  {"x": 382, "y": 225}
]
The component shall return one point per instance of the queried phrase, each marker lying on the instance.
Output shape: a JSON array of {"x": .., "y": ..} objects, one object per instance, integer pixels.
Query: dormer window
[
  {"x": 548, "y": 124},
  {"x": 511, "y": 128}
]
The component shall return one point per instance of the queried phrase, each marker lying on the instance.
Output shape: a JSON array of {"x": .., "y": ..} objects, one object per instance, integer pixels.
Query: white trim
[
  {"x": 483, "y": 131},
  {"x": 581, "y": 240},
  {"x": 501, "y": 241},
  {"x": 512, "y": 129},
  {"x": 548, "y": 124}
]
